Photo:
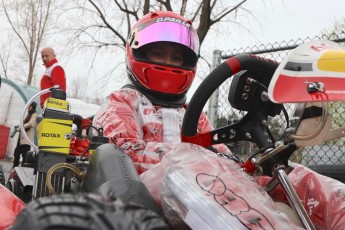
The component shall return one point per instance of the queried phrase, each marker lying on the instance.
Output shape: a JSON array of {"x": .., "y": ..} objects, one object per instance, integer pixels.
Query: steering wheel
[{"x": 250, "y": 127}]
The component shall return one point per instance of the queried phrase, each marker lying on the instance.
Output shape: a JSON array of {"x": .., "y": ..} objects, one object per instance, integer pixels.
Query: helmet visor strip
[{"x": 166, "y": 31}]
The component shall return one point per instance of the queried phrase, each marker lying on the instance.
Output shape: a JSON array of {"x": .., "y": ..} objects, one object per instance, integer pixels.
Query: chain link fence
[{"x": 221, "y": 113}]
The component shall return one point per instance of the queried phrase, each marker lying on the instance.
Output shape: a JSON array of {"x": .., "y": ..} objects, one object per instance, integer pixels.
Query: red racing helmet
[{"x": 159, "y": 78}]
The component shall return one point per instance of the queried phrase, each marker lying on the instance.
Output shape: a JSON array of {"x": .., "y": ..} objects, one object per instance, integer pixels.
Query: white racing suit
[
  {"x": 183, "y": 176},
  {"x": 144, "y": 131}
]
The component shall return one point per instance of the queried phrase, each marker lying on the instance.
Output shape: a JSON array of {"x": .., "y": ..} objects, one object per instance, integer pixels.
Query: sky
[{"x": 281, "y": 20}]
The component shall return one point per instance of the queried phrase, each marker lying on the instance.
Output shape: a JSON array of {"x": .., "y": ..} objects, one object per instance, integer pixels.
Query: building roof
[{"x": 25, "y": 91}]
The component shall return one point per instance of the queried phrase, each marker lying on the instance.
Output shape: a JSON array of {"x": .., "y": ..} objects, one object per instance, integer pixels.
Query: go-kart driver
[{"x": 144, "y": 118}]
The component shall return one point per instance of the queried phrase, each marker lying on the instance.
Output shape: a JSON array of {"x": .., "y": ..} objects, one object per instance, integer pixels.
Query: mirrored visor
[{"x": 166, "y": 31}]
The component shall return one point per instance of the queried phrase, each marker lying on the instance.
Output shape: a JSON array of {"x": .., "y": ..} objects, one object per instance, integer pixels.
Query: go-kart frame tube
[
  {"x": 22, "y": 129},
  {"x": 292, "y": 196}
]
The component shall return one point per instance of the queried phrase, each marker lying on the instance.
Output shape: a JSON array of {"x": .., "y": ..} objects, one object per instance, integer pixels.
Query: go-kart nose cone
[{"x": 314, "y": 71}]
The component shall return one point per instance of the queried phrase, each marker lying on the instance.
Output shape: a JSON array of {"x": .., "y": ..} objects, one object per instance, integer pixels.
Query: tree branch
[
  {"x": 226, "y": 12},
  {"x": 197, "y": 12},
  {"x": 125, "y": 10},
  {"x": 14, "y": 29},
  {"x": 146, "y": 9},
  {"x": 183, "y": 7},
  {"x": 107, "y": 23},
  {"x": 166, "y": 4}
]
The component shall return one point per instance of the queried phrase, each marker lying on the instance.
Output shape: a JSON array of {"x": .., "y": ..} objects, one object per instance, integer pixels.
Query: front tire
[
  {"x": 336, "y": 172},
  {"x": 86, "y": 212}
]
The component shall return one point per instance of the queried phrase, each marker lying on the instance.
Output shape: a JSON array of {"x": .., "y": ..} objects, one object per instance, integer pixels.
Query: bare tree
[
  {"x": 5, "y": 55},
  {"x": 115, "y": 18},
  {"x": 78, "y": 89},
  {"x": 332, "y": 33},
  {"x": 28, "y": 20}
]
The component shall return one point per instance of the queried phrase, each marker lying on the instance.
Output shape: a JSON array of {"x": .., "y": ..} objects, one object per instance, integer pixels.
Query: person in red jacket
[{"x": 53, "y": 75}]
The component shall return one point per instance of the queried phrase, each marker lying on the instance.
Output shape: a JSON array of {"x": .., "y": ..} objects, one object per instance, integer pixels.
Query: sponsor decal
[
  {"x": 68, "y": 136},
  {"x": 55, "y": 102},
  {"x": 53, "y": 135},
  {"x": 169, "y": 19},
  {"x": 127, "y": 176},
  {"x": 322, "y": 47},
  {"x": 262, "y": 58}
]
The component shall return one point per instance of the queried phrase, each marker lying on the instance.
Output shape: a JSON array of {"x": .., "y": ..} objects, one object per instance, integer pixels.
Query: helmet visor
[{"x": 157, "y": 30}]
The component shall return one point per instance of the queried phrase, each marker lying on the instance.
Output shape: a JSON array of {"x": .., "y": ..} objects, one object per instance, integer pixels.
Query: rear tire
[
  {"x": 86, "y": 211},
  {"x": 2, "y": 176},
  {"x": 336, "y": 172}
]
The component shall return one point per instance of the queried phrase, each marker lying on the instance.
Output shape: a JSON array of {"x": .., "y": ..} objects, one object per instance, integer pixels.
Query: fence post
[{"x": 213, "y": 101}]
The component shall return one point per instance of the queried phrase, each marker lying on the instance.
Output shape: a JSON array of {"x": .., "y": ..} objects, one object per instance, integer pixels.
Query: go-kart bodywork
[
  {"x": 10, "y": 207},
  {"x": 312, "y": 72}
]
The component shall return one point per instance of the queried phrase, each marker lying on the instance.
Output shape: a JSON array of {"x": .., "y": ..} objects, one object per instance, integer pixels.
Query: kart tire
[
  {"x": 2, "y": 176},
  {"x": 336, "y": 172},
  {"x": 85, "y": 211},
  {"x": 12, "y": 186}
]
